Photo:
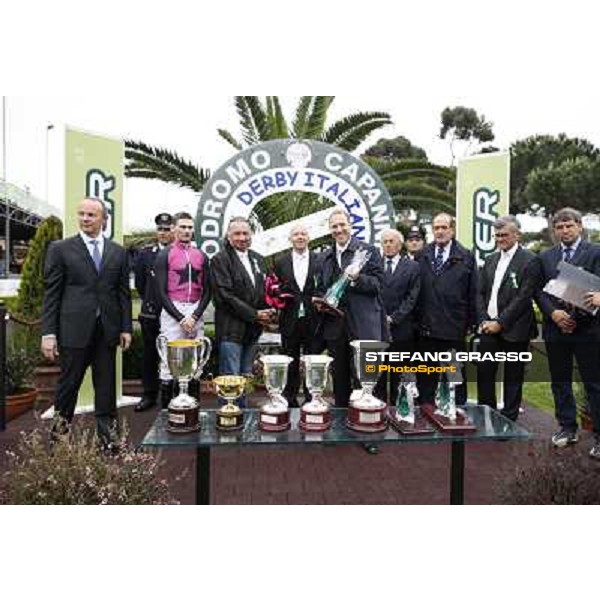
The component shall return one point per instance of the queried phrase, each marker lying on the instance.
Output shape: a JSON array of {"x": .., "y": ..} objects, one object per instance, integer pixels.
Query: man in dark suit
[
  {"x": 507, "y": 284},
  {"x": 448, "y": 301},
  {"x": 570, "y": 333},
  {"x": 364, "y": 314},
  {"x": 400, "y": 292},
  {"x": 297, "y": 272},
  {"x": 87, "y": 314},
  {"x": 238, "y": 280},
  {"x": 145, "y": 283}
]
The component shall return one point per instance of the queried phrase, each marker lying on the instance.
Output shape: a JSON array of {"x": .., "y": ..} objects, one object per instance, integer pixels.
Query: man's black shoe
[
  {"x": 371, "y": 448},
  {"x": 145, "y": 404}
]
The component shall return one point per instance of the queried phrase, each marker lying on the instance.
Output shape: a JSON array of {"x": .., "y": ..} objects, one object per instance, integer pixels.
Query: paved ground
[{"x": 400, "y": 474}]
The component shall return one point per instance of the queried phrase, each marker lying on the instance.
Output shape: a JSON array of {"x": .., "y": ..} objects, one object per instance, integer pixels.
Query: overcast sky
[{"x": 189, "y": 126}]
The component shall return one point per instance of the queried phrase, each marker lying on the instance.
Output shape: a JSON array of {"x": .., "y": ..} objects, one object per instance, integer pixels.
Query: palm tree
[
  {"x": 147, "y": 162},
  {"x": 261, "y": 121},
  {"x": 417, "y": 184}
]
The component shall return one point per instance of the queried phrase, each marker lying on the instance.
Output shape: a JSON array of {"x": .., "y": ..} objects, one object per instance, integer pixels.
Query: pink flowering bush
[{"x": 75, "y": 471}]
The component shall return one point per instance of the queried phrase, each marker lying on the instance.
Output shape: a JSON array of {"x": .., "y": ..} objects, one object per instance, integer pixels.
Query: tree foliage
[
  {"x": 147, "y": 162},
  {"x": 465, "y": 125},
  {"x": 397, "y": 148},
  {"x": 31, "y": 292},
  {"x": 539, "y": 164}
]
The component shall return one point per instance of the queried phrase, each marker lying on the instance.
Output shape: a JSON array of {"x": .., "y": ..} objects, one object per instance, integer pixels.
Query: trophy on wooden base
[
  {"x": 366, "y": 413},
  {"x": 315, "y": 416},
  {"x": 445, "y": 415},
  {"x": 406, "y": 417},
  {"x": 230, "y": 417},
  {"x": 186, "y": 360},
  {"x": 275, "y": 414}
]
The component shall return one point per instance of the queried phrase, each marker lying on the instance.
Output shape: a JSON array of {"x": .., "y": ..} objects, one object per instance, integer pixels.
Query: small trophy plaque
[
  {"x": 335, "y": 293},
  {"x": 315, "y": 416},
  {"x": 275, "y": 414},
  {"x": 186, "y": 360},
  {"x": 446, "y": 416},
  {"x": 405, "y": 417},
  {"x": 366, "y": 413},
  {"x": 230, "y": 417}
]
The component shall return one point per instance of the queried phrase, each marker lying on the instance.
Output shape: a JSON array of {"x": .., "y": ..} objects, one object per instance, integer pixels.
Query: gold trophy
[
  {"x": 186, "y": 360},
  {"x": 315, "y": 415},
  {"x": 366, "y": 413},
  {"x": 275, "y": 415},
  {"x": 230, "y": 387}
]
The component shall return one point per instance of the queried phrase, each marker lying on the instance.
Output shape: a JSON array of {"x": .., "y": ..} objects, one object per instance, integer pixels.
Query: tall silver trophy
[
  {"x": 275, "y": 414},
  {"x": 366, "y": 413},
  {"x": 316, "y": 414},
  {"x": 330, "y": 303},
  {"x": 186, "y": 360}
]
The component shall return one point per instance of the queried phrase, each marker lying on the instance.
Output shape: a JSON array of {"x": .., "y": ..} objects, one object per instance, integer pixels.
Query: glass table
[{"x": 491, "y": 425}]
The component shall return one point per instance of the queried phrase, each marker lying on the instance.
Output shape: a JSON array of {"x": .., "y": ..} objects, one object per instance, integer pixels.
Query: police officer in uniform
[
  {"x": 415, "y": 241},
  {"x": 151, "y": 308}
]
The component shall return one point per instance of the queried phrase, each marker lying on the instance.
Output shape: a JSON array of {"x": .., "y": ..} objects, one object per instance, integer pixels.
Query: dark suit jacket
[
  {"x": 588, "y": 258},
  {"x": 448, "y": 302},
  {"x": 145, "y": 281},
  {"x": 284, "y": 269},
  {"x": 237, "y": 300},
  {"x": 515, "y": 296},
  {"x": 400, "y": 293},
  {"x": 75, "y": 292},
  {"x": 362, "y": 304}
]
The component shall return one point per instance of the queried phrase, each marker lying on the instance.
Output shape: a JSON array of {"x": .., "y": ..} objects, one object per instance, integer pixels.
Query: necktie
[
  {"x": 568, "y": 254},
  {"x": 96, "y": 255},
  {"x": 388, "y": 269},
  {"x": 438, "y": 261}
]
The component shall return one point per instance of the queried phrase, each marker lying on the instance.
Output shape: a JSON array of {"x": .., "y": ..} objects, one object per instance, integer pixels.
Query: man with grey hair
[
  {"x": 238, "y": 278},
  {"x": 571, "y": 333},
  {"x": 400, "y": 291},
  {"x": 296, "y": 271},
  {"x": 507, "y": 283}
]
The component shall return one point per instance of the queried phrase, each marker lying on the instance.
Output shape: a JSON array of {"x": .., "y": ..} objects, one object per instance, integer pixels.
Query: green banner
[
  {"x": 94, "y": 167},
  {"x": 483, "y": 195}
]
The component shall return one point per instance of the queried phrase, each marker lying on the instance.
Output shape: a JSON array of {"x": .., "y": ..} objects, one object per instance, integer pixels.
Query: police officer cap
[
  {"x": 163, "y": 220},
  {"x": 415, "y": 231}
]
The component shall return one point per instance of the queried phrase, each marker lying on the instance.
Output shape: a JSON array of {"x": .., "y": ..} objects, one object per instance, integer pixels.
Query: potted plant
[
  {"x": 27, "y": 310},
  {"x": 20, "y": 392}
]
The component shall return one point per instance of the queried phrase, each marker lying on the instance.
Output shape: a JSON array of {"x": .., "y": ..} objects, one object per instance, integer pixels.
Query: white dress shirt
[
  {"x": 243, "y": 256},
  {"x": 87, "y": 240},
  {"x": 395, "y": 260},
  {"x": 339, "y": 251},
  {"x": 300, "y": 264},
  {"x": 505, "y": 258}
]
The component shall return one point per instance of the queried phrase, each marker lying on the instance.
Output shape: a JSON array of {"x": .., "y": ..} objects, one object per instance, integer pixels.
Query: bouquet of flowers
[{"x": 274, "y": 296}]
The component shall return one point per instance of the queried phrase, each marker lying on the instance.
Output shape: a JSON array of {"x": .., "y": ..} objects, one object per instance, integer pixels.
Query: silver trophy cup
[
  {"x": 366, "y": 413},
  {"x": 275, "y": 414},
  {"x": 316, "y": 414},
  {"x": 186, "y": 360}
]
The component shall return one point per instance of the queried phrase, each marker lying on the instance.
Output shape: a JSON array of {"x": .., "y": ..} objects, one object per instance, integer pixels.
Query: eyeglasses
[
  {"x": 163, "y": 229},
  {"x": 500, "y": 236}
]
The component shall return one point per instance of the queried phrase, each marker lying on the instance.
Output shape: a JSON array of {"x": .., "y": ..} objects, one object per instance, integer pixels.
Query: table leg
[
  {"x": 203, "y": 476},
  {"x": 457, "y": 477}
]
